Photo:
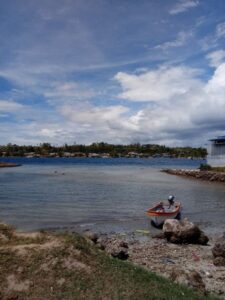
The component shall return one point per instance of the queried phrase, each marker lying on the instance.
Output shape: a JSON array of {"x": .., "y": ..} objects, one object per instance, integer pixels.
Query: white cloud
[
  {"x": 91, "y": 115},
  {"x": 180, "y": 41},
  {"x": 217, "y": 83},
  {"x": 186, "y": 107},
  {"x": 220, "y": 30},
  {"x": 158, "y": 85},
  {"x": 216, "y": 58},
  {"x": 67, "y": 92},
  {"x": 183, "y": 6},
  {"x": 9, "y": 106}
]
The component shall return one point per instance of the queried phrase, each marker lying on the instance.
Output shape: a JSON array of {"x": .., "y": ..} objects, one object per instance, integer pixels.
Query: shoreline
[
  {"x": 8, "y": 165},
  {"x": 176, "y": 262},
  {"x": 197, "y": 174},
  {"x": 41, "y": 265}
]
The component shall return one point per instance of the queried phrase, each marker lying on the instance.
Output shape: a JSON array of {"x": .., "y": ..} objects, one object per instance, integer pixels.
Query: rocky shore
[
  {"x": 69, "y": 266},
  {"x": 201, "y": 267},
  {"x": 198, "y": 174}
]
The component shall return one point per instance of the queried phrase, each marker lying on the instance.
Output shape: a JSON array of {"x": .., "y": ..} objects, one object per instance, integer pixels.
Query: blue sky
[{"x": 114, "y": 71}]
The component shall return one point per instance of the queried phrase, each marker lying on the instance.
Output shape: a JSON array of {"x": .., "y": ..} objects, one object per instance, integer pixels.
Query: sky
[{"x": 117, "y": 71}]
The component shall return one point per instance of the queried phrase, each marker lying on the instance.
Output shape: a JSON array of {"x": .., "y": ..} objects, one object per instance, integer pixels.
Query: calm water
[{"x": 103, "y": 194}]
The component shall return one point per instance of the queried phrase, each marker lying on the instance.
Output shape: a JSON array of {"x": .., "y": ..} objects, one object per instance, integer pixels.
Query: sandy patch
[{"x": 15, "y": 285}]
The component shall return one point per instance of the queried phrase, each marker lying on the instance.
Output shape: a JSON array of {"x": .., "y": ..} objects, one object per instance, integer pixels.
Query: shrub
[{"x": 205, "y": 167}]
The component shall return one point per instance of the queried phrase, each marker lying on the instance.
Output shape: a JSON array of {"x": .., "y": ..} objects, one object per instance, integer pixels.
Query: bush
[{"x": 205, "y": 167}]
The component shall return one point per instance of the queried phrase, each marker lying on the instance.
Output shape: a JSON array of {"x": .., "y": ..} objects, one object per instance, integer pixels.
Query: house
[{"x": 216, "y": 152}]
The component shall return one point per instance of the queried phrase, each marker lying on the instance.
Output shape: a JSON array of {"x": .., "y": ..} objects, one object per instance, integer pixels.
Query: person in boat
[
  {"x": 161, "y": 207},
  {"x": 171, "y": 201}
]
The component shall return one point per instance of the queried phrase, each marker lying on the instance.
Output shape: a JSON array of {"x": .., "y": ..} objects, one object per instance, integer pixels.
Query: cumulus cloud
[
  {"x": 183, "y": 6},
  {"x": 158, "y": 85},
  {"x": 93, "y": 115},
  {"x": 185, "y": 105}
]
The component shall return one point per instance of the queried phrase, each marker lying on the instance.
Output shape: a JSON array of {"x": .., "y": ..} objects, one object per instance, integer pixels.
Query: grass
[
  {"x": 69, "y": 267},
  {"x": 218, "y": 169}
]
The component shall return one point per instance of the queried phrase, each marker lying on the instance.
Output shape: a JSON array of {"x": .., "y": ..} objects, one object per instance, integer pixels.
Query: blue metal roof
[{"x": 219, "y": 138}]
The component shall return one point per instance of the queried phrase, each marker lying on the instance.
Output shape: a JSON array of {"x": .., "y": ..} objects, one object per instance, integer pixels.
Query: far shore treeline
[{"x": 100, "y": 150}]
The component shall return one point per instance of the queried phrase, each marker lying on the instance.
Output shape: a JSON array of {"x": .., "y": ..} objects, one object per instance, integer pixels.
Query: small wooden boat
[{"x": 162, "y": 211}]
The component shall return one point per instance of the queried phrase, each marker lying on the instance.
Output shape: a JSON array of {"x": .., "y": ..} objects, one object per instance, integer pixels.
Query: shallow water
[{"x": 103, "y": 194}]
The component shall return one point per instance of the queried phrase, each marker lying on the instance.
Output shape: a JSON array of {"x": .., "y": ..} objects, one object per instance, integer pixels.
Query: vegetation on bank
[
  {"x": 103, "y": 149},
  {"x": 68, "y": 266},
  {"x": 206, "y": 167}
]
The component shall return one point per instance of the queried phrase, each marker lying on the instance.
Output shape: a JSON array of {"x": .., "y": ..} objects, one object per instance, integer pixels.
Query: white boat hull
[{"x": 159, "y": 220}]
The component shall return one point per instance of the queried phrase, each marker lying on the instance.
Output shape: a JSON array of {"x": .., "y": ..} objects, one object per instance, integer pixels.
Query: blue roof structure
[{"x": 219, "y": 139}]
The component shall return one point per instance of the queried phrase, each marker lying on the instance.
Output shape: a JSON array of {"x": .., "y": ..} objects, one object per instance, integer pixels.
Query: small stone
[
  {"x": 219, "y": 261},
  {"x": 219, "y": 247},
  {"x": 123, "y": 244}
]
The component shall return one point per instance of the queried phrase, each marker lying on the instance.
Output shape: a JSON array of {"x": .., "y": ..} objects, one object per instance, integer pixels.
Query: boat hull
[{"x": 158, "y": 216}]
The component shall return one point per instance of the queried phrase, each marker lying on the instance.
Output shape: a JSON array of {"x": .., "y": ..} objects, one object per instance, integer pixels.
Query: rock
[
  {"x": 3, "y": 238},
  {"x": 123, "y": 244},
  {"x": 120, "y": 254},
  {"x": 184, "y": 231},
  {"x": 219, "y": 248},
  {"x": 102, "y": 242},
  {"x": 158, "y": 236},
  {"x": 116, "y": 248},
  {"x": 91, "y": 236},
  {"x": 219, "y": 261}
]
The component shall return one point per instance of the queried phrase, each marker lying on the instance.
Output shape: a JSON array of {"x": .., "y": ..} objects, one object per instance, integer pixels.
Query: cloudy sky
[{"x": 118, "y": 71}]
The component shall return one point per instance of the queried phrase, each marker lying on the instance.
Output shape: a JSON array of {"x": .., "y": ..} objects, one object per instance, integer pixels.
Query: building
[{"x": 216, "y": 152}]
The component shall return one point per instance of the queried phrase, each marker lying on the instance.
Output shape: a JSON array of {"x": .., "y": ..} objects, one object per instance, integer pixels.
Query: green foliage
[
  {"x": 205, "y": 167},
  {"x": 145, "y": 150}
]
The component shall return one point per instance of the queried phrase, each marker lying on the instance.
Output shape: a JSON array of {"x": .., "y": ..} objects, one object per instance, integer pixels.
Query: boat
[{"x": 162, "y": 211}]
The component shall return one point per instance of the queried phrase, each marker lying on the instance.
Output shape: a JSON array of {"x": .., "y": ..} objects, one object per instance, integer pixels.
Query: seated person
[{"x": 160, "y": 207}]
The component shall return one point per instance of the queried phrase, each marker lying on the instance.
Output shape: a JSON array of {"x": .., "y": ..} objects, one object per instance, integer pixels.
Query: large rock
[
  {"x": 184, "y": 231},
  {"x": 218, "y": 251}
]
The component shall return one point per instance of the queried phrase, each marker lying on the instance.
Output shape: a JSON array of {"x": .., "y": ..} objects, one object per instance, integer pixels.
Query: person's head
[{"x": 171, "y": 199}]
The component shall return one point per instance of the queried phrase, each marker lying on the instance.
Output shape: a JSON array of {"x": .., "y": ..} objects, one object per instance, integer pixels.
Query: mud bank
[
  {"x": 202, "y": 175},
  {"x": 8, "y": 165}
]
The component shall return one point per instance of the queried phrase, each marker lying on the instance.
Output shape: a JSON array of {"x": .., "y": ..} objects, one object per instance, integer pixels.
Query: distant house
[{"x": 216, "y": 152}]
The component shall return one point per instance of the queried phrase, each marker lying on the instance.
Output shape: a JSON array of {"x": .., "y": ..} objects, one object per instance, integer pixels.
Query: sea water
[{"x": 103, "y": 194}]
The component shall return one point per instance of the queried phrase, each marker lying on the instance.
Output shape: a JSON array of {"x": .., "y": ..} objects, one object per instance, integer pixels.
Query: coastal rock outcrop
[
  {"x": 218, "y": 252},
  {"x": 198, "y": 174},
  {"x": 183, "y": 231}
]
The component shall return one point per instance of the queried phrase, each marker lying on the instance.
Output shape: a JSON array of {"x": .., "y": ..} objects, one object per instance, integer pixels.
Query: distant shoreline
[
  {"x": 8, "y": 165},
  {"x": 197, "y": 174}
]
